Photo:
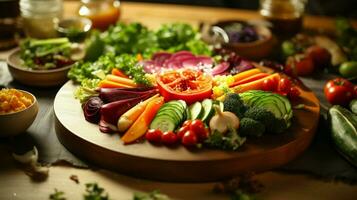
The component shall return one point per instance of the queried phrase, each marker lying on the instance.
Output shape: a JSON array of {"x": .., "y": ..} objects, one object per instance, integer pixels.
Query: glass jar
[
  {"x": 102, "y": 13},
  {"x": 9, "y": 26},
  {"x": 40, "y": 17},
  {"x": 286, "y": 16}
]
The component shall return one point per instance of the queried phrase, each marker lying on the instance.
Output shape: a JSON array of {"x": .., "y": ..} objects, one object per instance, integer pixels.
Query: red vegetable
[
  {"x": 182, "y": 131},
  {"x": 153, "y": 135},
  {"x": 91, "y": 109},
  {"x": 320, "y": 56},
  {"x": 284, "y": 85},
  {"x": 199, "y": 129},
  {"x": 115, "y": 94},
  {"x": 301, "y": 65},
  {"x": 189, "y": 139},
  {"x": 169, "y": 138},
  {"x": 339, "y": 91}
]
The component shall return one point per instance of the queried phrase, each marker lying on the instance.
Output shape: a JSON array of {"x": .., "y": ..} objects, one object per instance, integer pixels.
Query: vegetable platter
[{"x": 179, "y": 110}]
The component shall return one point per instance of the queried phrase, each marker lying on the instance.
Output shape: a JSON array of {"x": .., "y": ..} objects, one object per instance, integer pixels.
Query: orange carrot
[
  {"x": 130, "y": 116},
  {"x": 141, "y": 125},
  {"x": 249, "y": 79},
  {"x": 246, "y": 74},
  {"x": 117, "y": 72},
  {"x": 121, "y": 80},
  {"x": 255, "y": 85},
  {"x": 111, "y": 84}
]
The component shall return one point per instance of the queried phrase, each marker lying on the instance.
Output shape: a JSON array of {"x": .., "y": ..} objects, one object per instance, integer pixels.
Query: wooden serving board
[{"x": 180, "y": 164}]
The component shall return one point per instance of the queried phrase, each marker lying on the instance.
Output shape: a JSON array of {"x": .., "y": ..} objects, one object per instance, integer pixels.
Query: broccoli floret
[
  {"x": 250, "y": 127},
  {"x": 267, "y": 118},
  {"x": 233, "y": 103}
]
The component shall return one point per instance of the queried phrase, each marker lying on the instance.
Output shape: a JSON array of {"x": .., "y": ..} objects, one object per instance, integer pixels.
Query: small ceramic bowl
[
  {"x": 75, "y": 28},
  {"x": 12, "y": 124},
  {"x": 37, "y": 78},
  {"x": 255, "y": 50}
]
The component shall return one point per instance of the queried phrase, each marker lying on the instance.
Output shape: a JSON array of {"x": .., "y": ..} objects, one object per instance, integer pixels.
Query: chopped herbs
[
  {"x": 57, "y": 195},
  {"x": 94, "y": 192},
  {"x": 230, "y": 141},
  {"x": 154, "y": 195}
]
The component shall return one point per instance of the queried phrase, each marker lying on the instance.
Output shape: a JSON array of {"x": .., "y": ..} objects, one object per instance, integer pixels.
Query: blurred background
[{"x": 333, "y": 8}]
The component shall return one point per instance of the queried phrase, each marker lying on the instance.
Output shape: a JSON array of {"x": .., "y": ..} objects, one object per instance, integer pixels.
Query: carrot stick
[
  {"x": 255, "y": 85},
  {"x": 141, "y": 125},
  {"x": 245, "y": 74},
  {"x": 111, "y": 84},
  {"x": 121, "y": 80},
  {"x": 117, "y": 72},
  {"x": 250, "y": 79},
  {"x": 129, "y": 117}
]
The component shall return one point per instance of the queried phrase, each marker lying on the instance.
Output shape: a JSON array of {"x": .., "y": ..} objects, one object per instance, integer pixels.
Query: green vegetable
[
  {"x": 267, "y": 118},
  {"x": 58, "y": 195},
  {"x": 347, "y": 37},
  {"x": 250, "y": 127},
  {"x": 278, "y": 105},
  {"x": 86, "y": 90},
  {"x": 94, "y": 47},
  {"x": 94, "y": 192},
  {"x": 208, "y": 110},
  {"x": 344, "y": 132},
  {"x": 348, "y": 69},
  {"x": 154, "y": 195},
  {"x": 230, "y": 141},
  {"x": 233, "y": 103},
  {"x": 195, "y": 111},
  {"x": 353, "y": 106},
  {"x": 288, "y": 48},
  {"x": 169, "y": 116},
  {"x": 46, "y": 53},
  {"x": 125, "y": 62}
]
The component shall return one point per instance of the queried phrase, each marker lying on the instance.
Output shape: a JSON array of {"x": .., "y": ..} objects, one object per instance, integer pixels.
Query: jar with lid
[
  {"x": 39, "y": 17},
  {"x": 9, "y": 26},
  {"x": 286, "y": 16},
  {"x": 102, "y": 13}
]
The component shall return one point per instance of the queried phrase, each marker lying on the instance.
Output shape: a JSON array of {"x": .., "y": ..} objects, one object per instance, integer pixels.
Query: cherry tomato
[
  {"x": 301, "y": 65},
  {"x": 187, "y": 84},
  {"x": 189, "y": 139},
  {"x": 270, "y": 84},
  {"x": 320, "y": 56},
  {"x": 284, "y": 85},
  {"x": 182, "y": 131},
  {"x": 169, "y": 138},
  {"x": 199, "y": 128},
  {"x": 187, "y": 123},
  {"x": 294, "y": 93},
  {"x": 339, "y": 91},
  {"x": 153, "y": 135}
]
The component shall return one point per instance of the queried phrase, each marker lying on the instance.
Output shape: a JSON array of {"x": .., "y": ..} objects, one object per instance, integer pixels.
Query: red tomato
[
  {"x": 154, "y": 135},
  {"x": 355, "y": 89},
  {"x": 270, "y": 84},
  {"x": 294, "y": 93},
  {"x": 182, "y": 131},
  {"x": 284, "y": 85},
  {"x": 189, "y": 139},
  {"x": 320, "y": 56},
  {"x": 187, "y": 123},
  {"x": 169, "y": 138},
  {"x": 199, "y": 128},
  {"x": 186, "y": 84},
  {"x": 300, "y": 64},
  {"x": 339, "y": 91}
]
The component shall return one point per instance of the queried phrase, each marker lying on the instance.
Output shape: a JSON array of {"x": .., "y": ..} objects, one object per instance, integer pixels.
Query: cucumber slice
[
  {"x": 208, "y": 110},
  {"x": 163, "y": 123},
  {"x": 195, "y": 110}
]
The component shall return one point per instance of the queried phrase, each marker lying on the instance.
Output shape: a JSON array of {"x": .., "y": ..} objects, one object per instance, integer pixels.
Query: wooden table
[{"x": 15, "y": 184}]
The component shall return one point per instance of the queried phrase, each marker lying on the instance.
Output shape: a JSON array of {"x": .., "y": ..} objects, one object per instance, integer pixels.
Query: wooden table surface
[{"x": 15, "y": 184}]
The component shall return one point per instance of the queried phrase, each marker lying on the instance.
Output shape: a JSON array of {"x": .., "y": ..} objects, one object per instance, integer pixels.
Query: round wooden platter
[{"x": 179, "y": 164}]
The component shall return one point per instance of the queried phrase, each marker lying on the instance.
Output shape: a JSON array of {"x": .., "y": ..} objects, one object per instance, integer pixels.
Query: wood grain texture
[{"x": 180, "y": 164}]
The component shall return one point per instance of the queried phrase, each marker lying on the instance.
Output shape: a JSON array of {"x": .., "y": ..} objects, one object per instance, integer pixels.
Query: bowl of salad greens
[{"x": 43, "y": 63}]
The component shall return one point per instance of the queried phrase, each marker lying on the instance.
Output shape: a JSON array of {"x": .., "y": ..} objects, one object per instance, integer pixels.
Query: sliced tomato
[{"x": 187, "y": 84}]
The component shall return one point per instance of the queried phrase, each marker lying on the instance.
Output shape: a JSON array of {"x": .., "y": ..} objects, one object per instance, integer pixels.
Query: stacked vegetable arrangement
[{"x": 183, "y": 94}]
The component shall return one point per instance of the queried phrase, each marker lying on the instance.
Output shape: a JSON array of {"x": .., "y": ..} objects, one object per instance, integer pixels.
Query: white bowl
[{"x": 12, "y": 124}]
